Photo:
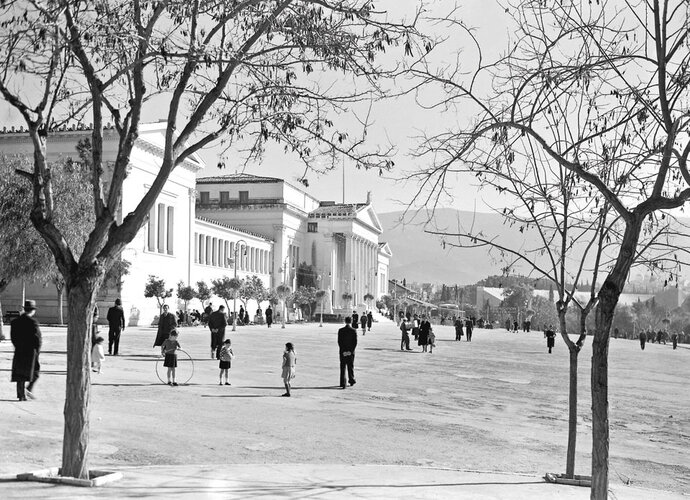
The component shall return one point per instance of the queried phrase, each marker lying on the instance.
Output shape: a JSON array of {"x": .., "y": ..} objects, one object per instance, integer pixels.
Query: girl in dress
[
  {"x": 169, "y": 350},
  {"x": 226, "y": 356},
  {"x": 97, "y": 355},
  {"x": 289, "y": 362}
]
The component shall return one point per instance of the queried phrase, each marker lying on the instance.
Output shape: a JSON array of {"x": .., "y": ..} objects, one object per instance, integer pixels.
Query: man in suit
[
  {"x": 217, "y": 323},
  {"x": 166, "y": 323},
  {"x": 26, "y": 338},
  {"x": 347, "y": 342},
  {"x": 116, "y": 325}
]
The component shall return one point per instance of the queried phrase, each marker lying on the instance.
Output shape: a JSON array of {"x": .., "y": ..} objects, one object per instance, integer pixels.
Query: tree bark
[
  {"x": 572, "y": 415},
  {"x": 75, "y": 446}
]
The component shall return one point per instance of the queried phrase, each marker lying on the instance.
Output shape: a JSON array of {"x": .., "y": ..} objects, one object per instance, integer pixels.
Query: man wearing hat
[
  {"x": 116, "y": 325},
  {"x": 26, "y": 338}
]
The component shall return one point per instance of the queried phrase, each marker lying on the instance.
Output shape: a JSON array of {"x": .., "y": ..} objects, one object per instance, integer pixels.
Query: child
[
  {"x": 168, "y": 349},
  {"x": 432, "y": 340},
  {"x": 289, "y": 362},
  {"x": 226, "y": 356},
  {"x": 97, "y": 354}
]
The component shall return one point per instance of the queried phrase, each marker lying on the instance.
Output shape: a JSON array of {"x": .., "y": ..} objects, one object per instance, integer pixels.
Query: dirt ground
[{"x": 498, "y": 403}]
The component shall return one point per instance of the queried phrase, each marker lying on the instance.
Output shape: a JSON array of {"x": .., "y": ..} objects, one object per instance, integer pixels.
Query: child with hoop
[
  {"x": 226, "y": 356},
  {"x": 169, "y": 350}
]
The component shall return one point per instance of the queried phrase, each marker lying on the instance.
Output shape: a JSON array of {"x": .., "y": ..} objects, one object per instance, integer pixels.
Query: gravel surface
[{"x": 498, "y": 403}]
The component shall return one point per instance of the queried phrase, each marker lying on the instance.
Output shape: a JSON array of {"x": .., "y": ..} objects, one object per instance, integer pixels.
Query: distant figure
[
  {"x": 240, "y": 317},
  {"x": 97, "y": 355},
  {"x": 169, "y": 350},
  {"x": 424, "y": 329},
  {"x": 347, "y": 342},
  {"x": 289, "y": 364},
  {"x": 515, "y": 326},
  {"x": 643, "y": 339},
  {"x": 26, "y": 338},
  {"x": 674, "y": 339},
  {"x": 370, "y": 320},
  {"x": 550, "y": 335},
  {"x": 363, "y": 323},
  {"x": 166, "y": 323},
  {"x": 405, "y": 341},
  {"x": 661, "y": 337},
  {"x": 468, "y": 329},
  {"x": 226, "y": 355},
  {"x": 355, "y": 319},
  {"x": 217, "y": 323},
  {"x": 116, "y": 325},
  {"x": 432, "y": 340},
  {"x": 415, "y": 327},
  {"x": 508, "y": 324},
  {"x": 246, "y": 318},
  {"x": 269, "y": 316},
  {"x": 458, "y": 328}
]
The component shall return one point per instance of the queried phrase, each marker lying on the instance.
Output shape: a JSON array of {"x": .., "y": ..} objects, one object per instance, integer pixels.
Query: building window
[
  {"x": 244, "y": 196},
  {"x": 152, "y": 230},
  {"x": 171, "y": 220},
  {"x": 205, "y": 197},
  {"x": 312, "y": 227},
  {"x": 161, "y": 228},
  {"x": 225, "y": 196}
]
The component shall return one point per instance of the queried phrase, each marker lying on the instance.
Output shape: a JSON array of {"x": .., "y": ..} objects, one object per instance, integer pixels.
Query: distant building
[{"x": 203, "y": 229}]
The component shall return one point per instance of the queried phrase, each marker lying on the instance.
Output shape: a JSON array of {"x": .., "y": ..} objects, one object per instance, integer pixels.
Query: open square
[{"x": 498, "y": 404}]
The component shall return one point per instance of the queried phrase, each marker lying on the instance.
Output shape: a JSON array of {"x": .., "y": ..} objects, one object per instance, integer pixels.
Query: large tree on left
[{"x": 233, "y": 71}]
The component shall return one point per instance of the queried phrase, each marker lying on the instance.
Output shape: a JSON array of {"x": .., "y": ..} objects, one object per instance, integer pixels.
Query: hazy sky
[{"x": 394, "y": 122}]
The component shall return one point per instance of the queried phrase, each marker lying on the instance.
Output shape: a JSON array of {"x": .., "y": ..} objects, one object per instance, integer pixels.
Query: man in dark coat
[
  {"x": 347, "y": 342},
  {"x": 26, "y": 338},
  {"x": 355, "y": 319},
  {"x": 370, "y": 320},
  {"x": 468, "y": 329},
  {"x": 116, "y": 325},
  {"x": 217, "y": 323},
  {"x": 269, "y": 316},
  {"x": 643, "y": 339},
  {"x": 166, "y": 324}
]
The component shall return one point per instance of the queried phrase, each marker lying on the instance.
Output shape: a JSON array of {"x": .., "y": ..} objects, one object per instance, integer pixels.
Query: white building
[{"x": 198, "y": 227}]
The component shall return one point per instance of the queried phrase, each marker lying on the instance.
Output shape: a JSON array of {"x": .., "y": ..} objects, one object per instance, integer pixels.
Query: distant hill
[{"x": 419, "y": 256}]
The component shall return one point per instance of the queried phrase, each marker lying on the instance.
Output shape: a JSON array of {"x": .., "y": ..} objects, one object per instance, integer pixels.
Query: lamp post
[{"x": 234, "y": 298}]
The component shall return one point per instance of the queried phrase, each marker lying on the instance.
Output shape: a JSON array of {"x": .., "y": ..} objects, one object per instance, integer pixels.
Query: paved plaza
[{"x": 484, "y": 419}]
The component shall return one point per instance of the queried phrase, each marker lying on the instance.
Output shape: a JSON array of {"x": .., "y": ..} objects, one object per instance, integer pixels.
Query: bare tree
[
  {"x": 617, "y": 73},
  {"x": 231, "y": 71}
]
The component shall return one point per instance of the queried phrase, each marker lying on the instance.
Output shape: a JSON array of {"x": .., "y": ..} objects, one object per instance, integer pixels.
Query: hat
[
  {"x": 118, "y": 302},
  {"x": 30, "y": 305}
]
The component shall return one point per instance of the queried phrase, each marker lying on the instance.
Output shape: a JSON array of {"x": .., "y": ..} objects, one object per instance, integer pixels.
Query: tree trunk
[
  {"x": 608, "y": 298},
  {"x": 2, "y": 335},
  {"x": 572, "y": 415},
  {"x": 80, "y": 298}
]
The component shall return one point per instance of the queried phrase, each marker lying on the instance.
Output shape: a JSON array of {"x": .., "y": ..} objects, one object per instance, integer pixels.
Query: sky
[{"x": 395, "y": 122}]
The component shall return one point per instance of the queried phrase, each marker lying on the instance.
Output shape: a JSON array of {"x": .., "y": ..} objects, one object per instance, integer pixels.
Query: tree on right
[{"x": 599, "y": 89}]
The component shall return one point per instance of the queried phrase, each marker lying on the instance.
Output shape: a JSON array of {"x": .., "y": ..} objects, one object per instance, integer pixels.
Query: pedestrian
[
  {"x": 347, "y": 342},
  {"x": 240, "y": 317},
  {"x": 226, "y": 356},
  {"x": 289, "y": 363},
  {"x": 370, "y": 320},
  {"x": 246, "y": 317},
  {"x": 508, "y": 324},
  {"x": 515, "y": 326},
  {"x": 432, "y": 340},
  {"x": 415, "y": 327},
  {"x": 458, "y": 328},
  {"x": 269, "y": 316},
  {"x": 643, "y": 339},
  {"x": 674, "y": 340},
  {"x": 26, "y": 339},
  {"x": 97, "y": 355},
  {"x": 550, "y": 335},
  {"x": 217, "y": 323},
  {"x": 363, "y": 323},
  {"x": 116, "y": 325},
  {"x": 355, "y": 319},
  {"x": 169, "y": 350},
  {"x": 423, "y": 337},
  {"x": 405, "y": 341},
  {"x": 166, "y": 323},
  {"x": 469, "y": 326},
  {"x": 95, "y": 333}
]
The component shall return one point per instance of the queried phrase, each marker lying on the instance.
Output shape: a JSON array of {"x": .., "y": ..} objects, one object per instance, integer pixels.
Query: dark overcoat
[
  {"x": 26, "y": 338},
  {"x": 166, "y": 324}
]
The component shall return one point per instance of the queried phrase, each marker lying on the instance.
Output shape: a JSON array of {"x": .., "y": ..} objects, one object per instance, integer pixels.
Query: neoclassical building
[
  {"x": 340, "y": 240},
  {"x": 210, "y": 227}
]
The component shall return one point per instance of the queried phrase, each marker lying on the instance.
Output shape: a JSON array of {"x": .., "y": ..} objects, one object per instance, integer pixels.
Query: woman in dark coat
[
  {"x": 424, "y": 329},
  {"x": 269, "y": 316}
]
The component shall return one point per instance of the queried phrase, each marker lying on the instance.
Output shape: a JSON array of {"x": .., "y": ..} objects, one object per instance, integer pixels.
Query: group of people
[
  {"x": 421, "y": 330},
  {"x": 660, "y": 337},
  {"x": 459, "y": 323},
  {"x": 364, "y": 322}
]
